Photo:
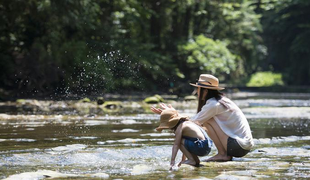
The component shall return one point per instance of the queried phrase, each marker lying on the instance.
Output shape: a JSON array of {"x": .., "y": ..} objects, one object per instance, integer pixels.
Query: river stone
[
  {"x": 66, "y": 149},
  {"x": 232, "y": 177},
  {"x": 40, "y": 174},
  {"x": 141, "y": 169},
  {"x": 100, "y": 175}
]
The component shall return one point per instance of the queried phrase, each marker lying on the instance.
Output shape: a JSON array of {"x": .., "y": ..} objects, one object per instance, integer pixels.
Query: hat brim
[
  {"x": 173, "y": 122},
  {"x": 207, "y": 87}
]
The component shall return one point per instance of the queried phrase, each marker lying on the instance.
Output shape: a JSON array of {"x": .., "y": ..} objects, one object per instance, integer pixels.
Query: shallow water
[{"x": 126, "y": 146}]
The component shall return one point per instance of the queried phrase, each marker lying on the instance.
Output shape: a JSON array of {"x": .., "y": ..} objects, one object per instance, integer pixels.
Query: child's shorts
[
  {"x": 234, "y": 149},
  {"x": 197, "y": 146}
]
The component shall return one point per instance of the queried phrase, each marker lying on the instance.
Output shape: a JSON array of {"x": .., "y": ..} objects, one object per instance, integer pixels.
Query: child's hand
[
  {"x": 172, "y": 166},
  {"x": 156, "y": 110},
  {"x": 163, "y": 106}
]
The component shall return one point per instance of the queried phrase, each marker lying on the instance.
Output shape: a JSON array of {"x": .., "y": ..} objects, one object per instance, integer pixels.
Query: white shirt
[{"x": 232, "y": 121}]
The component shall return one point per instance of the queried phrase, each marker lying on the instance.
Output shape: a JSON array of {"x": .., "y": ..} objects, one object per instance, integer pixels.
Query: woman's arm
[{"x": 208, "y": 111}]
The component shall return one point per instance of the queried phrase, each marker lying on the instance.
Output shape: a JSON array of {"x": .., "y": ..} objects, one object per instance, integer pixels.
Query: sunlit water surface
[{"x": 128, "y": 147}]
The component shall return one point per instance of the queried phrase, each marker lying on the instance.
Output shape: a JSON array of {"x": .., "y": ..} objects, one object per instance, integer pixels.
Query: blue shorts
[{"x": 197, "y": 146}]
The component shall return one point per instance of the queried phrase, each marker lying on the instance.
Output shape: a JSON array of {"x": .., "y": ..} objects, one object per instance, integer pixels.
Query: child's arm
[{"x": 176, "y": 145}]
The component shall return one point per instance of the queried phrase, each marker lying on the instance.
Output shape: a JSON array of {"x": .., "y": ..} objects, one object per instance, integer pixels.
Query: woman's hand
[{"x": 163, "y": 106}]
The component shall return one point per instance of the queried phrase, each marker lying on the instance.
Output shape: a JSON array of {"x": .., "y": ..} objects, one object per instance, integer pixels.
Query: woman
[{"x": 225, "y": 123}]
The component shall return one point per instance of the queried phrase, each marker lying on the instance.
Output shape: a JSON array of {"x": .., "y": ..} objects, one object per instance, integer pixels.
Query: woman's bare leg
[{"x": 219, "y": 138}]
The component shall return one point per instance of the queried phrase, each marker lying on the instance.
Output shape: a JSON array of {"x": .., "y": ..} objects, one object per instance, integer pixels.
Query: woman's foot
[{"x": 219, "y": 158}]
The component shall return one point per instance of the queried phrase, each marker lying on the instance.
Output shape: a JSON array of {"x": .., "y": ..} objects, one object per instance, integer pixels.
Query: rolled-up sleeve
[{"x": 208, "y": 111}]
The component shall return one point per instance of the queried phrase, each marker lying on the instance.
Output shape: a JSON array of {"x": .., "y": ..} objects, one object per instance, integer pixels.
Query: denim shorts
[
  {"x": 234, "y": 149},
  {"x": 197, "y": 146}
]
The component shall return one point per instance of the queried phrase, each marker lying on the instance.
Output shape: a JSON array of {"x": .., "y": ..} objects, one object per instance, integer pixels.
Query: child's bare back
[{"x": 190, "y": 129}]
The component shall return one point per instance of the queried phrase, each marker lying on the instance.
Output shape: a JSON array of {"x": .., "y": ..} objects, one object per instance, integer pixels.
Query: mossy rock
[
  {"x": 159, "y": 97},
  {"x": 85, "y": 100},
  {"x": 111, "y": 106},
  {"x": 154, "y": 99},
  {"x": 190, "y": 98},
  {"x": 20, "y": 101}
]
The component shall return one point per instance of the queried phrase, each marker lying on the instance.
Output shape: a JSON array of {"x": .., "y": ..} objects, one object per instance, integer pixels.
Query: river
[{"x": 81, "y": 143}]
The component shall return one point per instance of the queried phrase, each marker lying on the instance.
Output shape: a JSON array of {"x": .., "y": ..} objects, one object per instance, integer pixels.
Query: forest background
[{"x": 52, "y": 47}]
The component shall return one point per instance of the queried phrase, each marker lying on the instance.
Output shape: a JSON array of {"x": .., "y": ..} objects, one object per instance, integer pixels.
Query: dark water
[{"x": 128, "y": 147}]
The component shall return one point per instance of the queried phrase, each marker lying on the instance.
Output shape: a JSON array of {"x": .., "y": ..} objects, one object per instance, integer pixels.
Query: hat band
[{"x": 205, "y": 85}]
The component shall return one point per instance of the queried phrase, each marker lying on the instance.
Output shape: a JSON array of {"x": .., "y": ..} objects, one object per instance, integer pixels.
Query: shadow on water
[{"x": 127, "y": 147}]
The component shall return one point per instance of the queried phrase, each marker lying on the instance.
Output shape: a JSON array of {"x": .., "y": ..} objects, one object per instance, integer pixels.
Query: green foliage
[
  {"x": 207, "y": 55},
  {"x": 237, "y": 23},
  {"x": 233, "y": 23},
  {"x": 287, "y": 34},
  {"x": 95, "y": 46},
  {"x": 262, "y": 79}
]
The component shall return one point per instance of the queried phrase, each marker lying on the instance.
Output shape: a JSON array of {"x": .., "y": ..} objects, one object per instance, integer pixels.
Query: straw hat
[
  {"x": 208, "y": 81},
  {"x": 168, "y": 119}
]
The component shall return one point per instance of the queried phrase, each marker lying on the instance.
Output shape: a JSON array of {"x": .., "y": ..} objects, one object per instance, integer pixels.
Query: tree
[
  {"x": 286, "y": 32},
  {"x": 91, "y": 46}
]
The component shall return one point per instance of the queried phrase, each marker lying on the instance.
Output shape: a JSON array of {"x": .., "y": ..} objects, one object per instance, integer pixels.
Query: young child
[{"x": 190, "y": 138}]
